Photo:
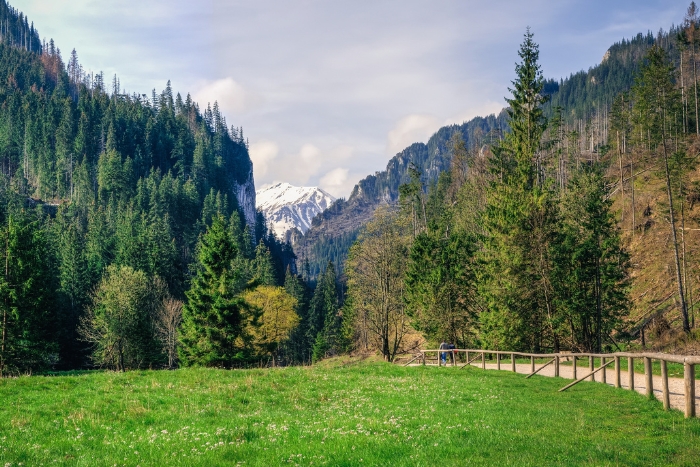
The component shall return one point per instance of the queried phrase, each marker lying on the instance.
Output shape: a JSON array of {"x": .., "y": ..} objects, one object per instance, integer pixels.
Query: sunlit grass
[{"x": 338, "y": 413}]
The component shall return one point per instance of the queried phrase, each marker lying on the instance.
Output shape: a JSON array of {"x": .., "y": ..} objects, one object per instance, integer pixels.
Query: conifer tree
[
  {"x": 27, "y": 285},
  {"x": 590, "y": 266},
  {"x": 298, "y": 345},
  {"x": 519, "y": 219},
  {"x": 212, "y": 332},
  {"x": 323, "y": 323},
  {"x": 263, "y": 272},
  {"x": 440, "y": 286}
]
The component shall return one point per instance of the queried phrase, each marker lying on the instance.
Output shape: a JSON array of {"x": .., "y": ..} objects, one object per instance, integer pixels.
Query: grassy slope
[{"x": 354, "y": 414}]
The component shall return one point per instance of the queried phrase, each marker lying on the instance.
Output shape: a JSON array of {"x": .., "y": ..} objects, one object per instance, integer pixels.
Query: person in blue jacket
[{"x": 443, "y": 355}]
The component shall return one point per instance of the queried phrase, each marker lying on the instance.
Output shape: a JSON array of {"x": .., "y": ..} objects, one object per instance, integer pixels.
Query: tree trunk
[
  {"x": 685, "y": 119},
  {"x": 634, "y": 215},
  {"x": 4, "y": 310},
  {"x": 681, "y": 295},
  {"x": 695, "y": 80},
  {"x": 599, "y": 307},
  {"x": 622, "y": 180},
  {"x": 4, "y": 338}
]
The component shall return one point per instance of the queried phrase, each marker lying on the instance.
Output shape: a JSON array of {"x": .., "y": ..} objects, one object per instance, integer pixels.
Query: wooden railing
[{"x": 688, "y": 363}]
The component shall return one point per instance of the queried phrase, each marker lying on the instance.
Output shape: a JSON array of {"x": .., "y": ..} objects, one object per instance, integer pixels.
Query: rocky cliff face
[
  {"x": 245, "y": 194},
  {"x": 288, "y": 207}
]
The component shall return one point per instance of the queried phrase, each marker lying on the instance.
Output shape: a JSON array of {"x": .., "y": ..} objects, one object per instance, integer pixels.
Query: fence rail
[{"x": 688, "y": 362}]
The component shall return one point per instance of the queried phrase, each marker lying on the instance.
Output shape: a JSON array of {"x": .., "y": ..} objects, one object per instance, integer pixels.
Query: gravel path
[{"x": 676, "y": 386}]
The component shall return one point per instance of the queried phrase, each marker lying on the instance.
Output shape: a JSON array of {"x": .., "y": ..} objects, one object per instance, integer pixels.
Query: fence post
[
  {"x": 617, "y": 372},
  {"x": 556, "y": 366},
  {"x": 439, "y": 359},
  {"x": 512, "y": 359},
  {"x": 649, "y": 377},
  {"x": 689, "y": 375},
  {"x": 603, "y": 376},
  {"x": 498, "y": 361},
  {"x": 423, "y": 358},
  {"x": 454, "y": 358},
  {"x": 664, "y": 384},
  {"x": 574, "y": 367},
  {"x": 630, "y": 372},
  {"x": 532, "y": 364},
  {"x": 591, "y": 367},
  {"x": 483, "y": 360}
]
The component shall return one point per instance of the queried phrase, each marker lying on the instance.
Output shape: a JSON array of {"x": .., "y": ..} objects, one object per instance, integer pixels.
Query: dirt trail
[{"x": 676, "y": 386}]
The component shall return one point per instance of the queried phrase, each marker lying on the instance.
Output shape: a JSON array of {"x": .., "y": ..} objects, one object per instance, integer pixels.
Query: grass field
[{"x": 341, "y": 412}]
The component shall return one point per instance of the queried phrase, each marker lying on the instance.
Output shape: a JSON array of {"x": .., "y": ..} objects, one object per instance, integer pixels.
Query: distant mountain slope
[
  {"x": 287, "y": 207},
  {"x": 581, "y": 95},
  {"x": 334, "y": 230}
]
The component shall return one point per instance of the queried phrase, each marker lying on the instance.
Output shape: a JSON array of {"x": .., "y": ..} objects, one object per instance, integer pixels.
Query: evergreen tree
[
  {"x": 74, "y": 279},
  {"x": 323, "y": 323},
  {"x": 519, "y": 220},
  {"x": 440, "y": 287},
  {"x": 590, "y": 266},
  {"x": 214, "y": 316},
  {"x": 298, "y": 347},
  {"x": 263, "y": 272},
  {"x": 27, "y": 288}
]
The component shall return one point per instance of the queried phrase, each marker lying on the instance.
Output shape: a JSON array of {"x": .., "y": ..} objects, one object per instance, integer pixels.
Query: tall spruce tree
[
  {"x": 298, "y": 347},
  {"x": 213, "y": 318},
  {"x": 590, "y": 265},
  {"x": 27, "y": 288},
  {"x": 519, "y": 219},
  {"x": 323, "y": 323}
]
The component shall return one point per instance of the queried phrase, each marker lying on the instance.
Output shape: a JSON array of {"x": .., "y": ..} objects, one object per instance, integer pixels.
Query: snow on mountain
[{"x": 286, "y": 206}]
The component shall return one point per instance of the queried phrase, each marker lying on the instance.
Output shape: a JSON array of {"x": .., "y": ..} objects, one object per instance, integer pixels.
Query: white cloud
[
  {"x": 262, "y": 154},
  {"x": 411, "y": 129},
  {"x": 311, "y": 160},
  {"x": 336, "y": 182},
  {"x": 232, "y": 97},
  {"x": 271, "y": 164},
  {"x": 481, "y": 110}
]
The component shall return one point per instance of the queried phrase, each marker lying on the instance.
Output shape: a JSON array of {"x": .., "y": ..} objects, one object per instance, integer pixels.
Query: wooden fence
[{"x": 688, "y": 363}]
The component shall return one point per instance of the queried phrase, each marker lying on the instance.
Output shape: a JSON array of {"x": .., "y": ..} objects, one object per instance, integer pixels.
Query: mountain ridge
[
  {"x": 287, "y": 207},
  {"x": 581, "y": 94}
]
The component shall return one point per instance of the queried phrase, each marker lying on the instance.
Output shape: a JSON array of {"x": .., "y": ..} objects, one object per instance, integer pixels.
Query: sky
[{"x": 328, "y": 91}]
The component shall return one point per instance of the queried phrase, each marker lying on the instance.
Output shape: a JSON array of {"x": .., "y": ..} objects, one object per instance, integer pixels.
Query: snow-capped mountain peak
[{"x": 286, "y": 206}]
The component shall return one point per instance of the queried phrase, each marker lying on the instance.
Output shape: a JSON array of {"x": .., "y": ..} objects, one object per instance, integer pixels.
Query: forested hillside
[
  {"x": 582, "y": 101},
  {"x": 333, "y": 231},
  {"x": 106, "y": 202},
  {"x": 576, "y": 230}
]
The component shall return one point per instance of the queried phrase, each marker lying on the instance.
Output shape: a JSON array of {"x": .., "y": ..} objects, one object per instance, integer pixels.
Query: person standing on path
[{"x": 443, "y": 355}]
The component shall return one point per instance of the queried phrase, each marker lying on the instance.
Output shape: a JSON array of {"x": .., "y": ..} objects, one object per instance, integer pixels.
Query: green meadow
[{"x": 341, "y": 412}]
